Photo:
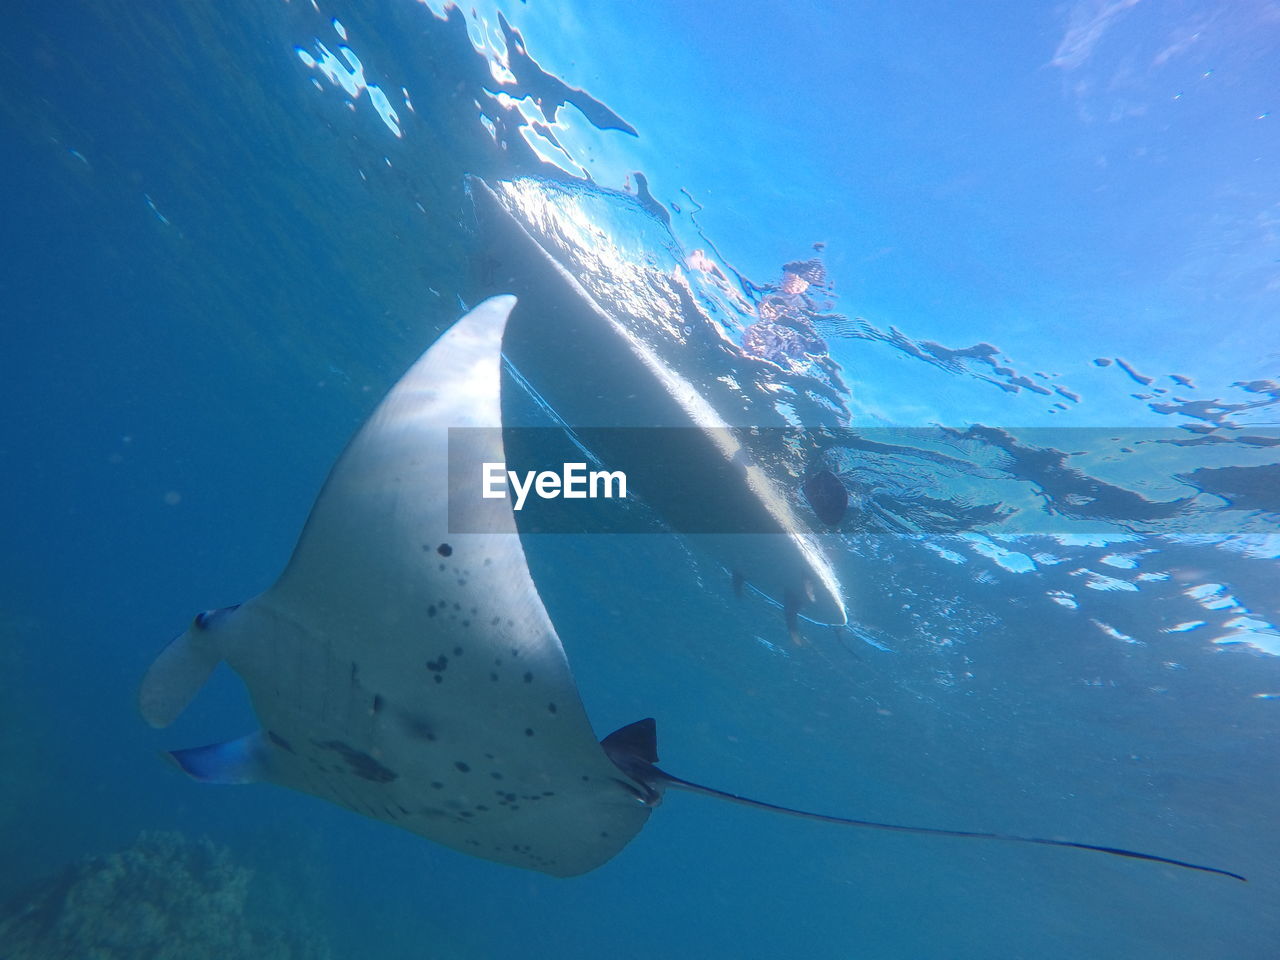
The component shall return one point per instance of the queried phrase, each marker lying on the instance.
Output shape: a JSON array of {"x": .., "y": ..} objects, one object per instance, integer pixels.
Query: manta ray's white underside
[{"x": 407, "y": 673}]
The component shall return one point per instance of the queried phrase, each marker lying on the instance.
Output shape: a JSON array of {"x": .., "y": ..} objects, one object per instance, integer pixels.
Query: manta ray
[{"x": 412, "y": 674}]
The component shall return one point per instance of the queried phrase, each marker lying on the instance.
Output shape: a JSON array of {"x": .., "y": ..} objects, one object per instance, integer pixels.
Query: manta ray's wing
[{"x": 410, "y": 673}]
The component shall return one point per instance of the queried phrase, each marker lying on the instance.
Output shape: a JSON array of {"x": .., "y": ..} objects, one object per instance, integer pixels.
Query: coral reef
[{"x": 163, "y": 898}]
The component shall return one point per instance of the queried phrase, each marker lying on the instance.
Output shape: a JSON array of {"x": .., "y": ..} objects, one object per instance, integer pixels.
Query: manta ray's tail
[
  {"x": 673, "y": 781},
  {"x": 634, "y": 750},
  {"x": 181, "y": 670}
]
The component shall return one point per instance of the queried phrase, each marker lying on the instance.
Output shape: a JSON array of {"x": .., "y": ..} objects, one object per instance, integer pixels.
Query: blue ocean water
[{"x": 231, "y": 228}]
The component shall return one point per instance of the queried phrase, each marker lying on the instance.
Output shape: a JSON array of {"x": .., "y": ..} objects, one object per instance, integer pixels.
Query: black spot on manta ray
[
  {"x": 444, "y": 550},
  {"x": 462, "y": 767},
  {"x": 528, "y": 677},
  {"x": 359, "y": 762},
  {"x": 551, "y": 708},
  {"x": 378, "y": 703}
]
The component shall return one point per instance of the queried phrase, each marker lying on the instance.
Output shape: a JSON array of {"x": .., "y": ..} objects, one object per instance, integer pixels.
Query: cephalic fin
[
  {"x": 235, "y": 761},
  {"x": 181, "y": 670}
]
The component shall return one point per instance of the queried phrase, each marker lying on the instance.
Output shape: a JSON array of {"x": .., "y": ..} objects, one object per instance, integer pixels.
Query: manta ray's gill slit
[
  {"x": 416, "y": 726},
  {"x": 280, "y": 742},
  {"x": 360, "y": 763}
]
